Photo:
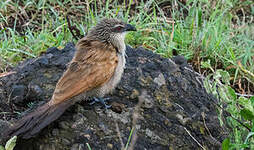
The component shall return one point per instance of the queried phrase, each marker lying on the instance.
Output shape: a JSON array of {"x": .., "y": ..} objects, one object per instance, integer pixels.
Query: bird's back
[{"x": 93, "y": 65}]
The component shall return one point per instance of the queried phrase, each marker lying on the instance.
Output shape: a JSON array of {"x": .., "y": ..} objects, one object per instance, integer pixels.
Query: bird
[{"x": 95, "y": 70}]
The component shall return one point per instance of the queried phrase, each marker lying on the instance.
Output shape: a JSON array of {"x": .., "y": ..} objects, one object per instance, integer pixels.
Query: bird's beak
[{"x": 129, "y": 27}]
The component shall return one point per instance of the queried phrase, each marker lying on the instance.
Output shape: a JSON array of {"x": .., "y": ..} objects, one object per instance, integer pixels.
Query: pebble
[
  {"x": 77, "y": 146},
  {"x": 66, "y": 141},
  {"x": 110, "y": 146},
  {"x": 64, "y": 125},
  {"x": 160, "y": 80},
  {"x": 47, "y": 147},
  {"x": 117, "y": 107},
  {"x": 134, "y": 94},
  {"x": 55, "y": 132}
]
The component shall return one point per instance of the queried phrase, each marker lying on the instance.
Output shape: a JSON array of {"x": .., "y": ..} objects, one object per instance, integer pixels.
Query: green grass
[
  {"x": 10, "y": 144},
  {"x": 239, "y": 109},
  {"x": 211, "y": 34}
]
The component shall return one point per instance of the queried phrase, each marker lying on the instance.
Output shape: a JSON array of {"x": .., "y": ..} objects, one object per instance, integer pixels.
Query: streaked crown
[{"x": 107, "y": 28}]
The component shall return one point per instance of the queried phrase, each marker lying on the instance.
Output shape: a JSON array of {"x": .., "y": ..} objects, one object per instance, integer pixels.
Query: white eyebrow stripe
[{"x": 118, "y": 25}]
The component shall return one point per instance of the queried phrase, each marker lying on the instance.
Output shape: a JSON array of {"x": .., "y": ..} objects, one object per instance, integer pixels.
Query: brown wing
[{"x": 93, "y": 65}]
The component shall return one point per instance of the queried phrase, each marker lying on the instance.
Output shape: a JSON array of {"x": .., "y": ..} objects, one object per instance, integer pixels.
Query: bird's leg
[{"x": 100, "y": 100}]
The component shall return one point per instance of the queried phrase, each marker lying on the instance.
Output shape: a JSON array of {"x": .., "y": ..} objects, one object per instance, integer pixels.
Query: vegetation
[
  {"x": 10, "y": 144},
  {"x": 238, "y": 109},
  {"x": 216, "y": 36}
]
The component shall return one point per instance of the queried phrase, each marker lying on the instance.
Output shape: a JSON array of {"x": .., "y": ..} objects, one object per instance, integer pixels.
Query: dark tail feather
[{"x": 31, "y": 124}]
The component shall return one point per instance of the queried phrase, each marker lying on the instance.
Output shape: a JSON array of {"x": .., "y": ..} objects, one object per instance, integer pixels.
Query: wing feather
[{"x": 92, "y": 66}]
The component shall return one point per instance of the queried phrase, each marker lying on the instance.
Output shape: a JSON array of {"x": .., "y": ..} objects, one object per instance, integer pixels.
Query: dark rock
[
  {"x": 180, "y": 60},
  {"x": 104, "y": 128},
  {"x": 77, "y": 146},
  {"x": 34, "y": 91},
  {"x": 55, "y": 132},
  {"x": 46, "y": 147},
  {"x": 64, "y": 125},
  {"x": 52, "y": 50},
  {"x": 65, "y": 141},
  {"x": 18, "y": 93},
  {"x": 172, "y": 108},
  {"x": 3, "y": 125}
]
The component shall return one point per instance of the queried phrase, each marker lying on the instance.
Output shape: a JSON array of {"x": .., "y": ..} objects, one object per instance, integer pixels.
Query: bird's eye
[{"x": 118, "y": 28}]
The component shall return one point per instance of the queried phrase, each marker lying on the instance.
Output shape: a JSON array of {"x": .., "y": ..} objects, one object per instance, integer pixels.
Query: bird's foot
[{"x": 100, "y": 100}]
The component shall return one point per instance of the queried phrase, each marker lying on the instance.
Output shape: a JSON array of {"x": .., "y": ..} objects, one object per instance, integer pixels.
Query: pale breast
[{"x": 112, "y": 83}]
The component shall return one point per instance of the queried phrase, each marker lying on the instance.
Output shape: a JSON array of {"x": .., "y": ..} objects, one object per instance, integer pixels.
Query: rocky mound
[{"x": 164, "y": 101}]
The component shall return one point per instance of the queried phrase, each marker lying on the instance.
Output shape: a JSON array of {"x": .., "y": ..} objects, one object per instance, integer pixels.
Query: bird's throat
[{"x": 118, "y": 41}]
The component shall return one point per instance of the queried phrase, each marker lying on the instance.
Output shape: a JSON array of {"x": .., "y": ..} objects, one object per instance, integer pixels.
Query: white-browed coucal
[{"x": 95, "y": 70}]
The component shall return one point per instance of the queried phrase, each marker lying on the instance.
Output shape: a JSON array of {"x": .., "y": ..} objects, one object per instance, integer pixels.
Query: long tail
[{"x": 31, "y": 124}]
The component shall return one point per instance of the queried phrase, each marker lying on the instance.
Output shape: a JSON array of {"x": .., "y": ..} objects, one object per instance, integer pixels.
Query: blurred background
[{"x": 216, "y": 36}]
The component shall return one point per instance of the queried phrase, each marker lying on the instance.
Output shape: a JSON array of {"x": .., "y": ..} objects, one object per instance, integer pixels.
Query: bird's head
[{"x": 111, "y": 30}]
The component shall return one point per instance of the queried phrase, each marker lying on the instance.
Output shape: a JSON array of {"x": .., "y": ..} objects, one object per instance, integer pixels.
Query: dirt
[{"x": 176, "y": 112}]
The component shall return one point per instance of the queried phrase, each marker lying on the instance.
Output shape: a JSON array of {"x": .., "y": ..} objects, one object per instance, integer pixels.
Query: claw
[{"x": 102, "y": 101}]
